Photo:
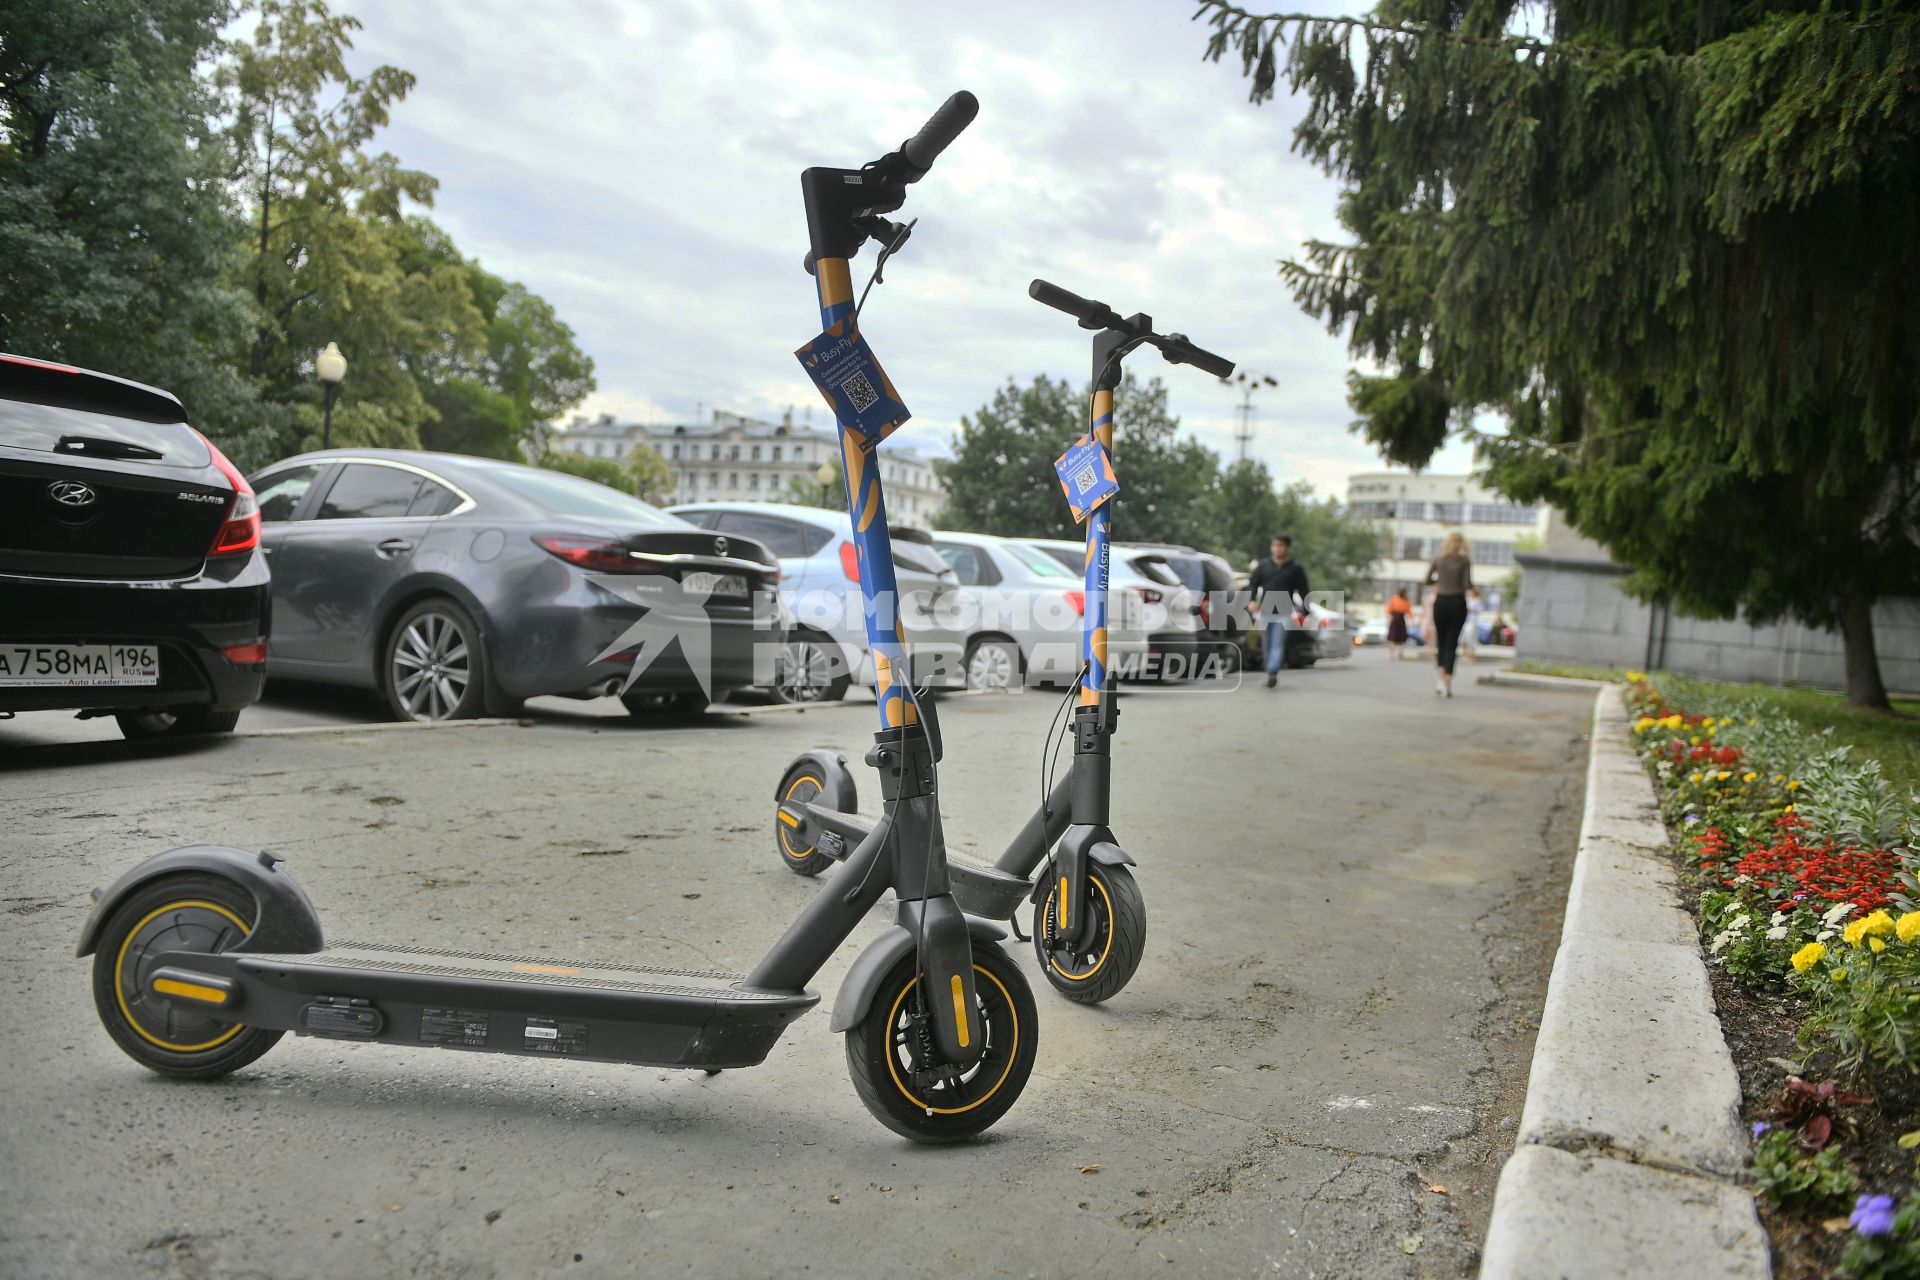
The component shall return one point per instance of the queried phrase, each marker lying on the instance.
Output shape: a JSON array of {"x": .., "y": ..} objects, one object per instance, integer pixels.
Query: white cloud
[{"x": 639, "y": 166}]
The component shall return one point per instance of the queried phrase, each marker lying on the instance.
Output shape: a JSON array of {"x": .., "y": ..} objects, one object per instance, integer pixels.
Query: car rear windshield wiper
[{"x": 101, "y": 447}]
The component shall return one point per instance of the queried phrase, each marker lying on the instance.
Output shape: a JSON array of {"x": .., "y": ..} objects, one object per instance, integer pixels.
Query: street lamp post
[
  {"x": 824, "y": 474},
  {"x": 330, "y": 367},
  {"x": 1243, "y": 412}
]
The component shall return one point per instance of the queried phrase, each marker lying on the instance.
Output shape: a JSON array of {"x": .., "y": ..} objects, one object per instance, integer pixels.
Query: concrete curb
[
  {"x": 1527, "y": 680},
  {"x": 1630, "y": 1143}
]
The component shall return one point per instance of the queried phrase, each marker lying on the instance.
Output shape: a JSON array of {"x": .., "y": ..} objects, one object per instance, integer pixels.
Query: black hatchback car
[
  {"x": 131, "y": 578},
  {"x": 455, "y": 586}
]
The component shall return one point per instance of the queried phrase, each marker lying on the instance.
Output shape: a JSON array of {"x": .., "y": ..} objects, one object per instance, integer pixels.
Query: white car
[
  {"x": 1145, "y": 597},
  {"x": 1028, "y": 610},
  {"x": 825, "y": 647}
]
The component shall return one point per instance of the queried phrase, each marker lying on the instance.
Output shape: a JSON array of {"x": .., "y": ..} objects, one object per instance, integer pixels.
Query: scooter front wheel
[
  {"x": 885, "y": 1054},
  {"x": 1118, "y": 914},
  {"x": 204, "y": 913}
]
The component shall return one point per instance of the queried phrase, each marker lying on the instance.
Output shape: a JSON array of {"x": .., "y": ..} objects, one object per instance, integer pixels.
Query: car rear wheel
[
  {"x": 435, "y": 667},
  {"x": 993, "y": 663},
  {"x": 809, "y": 669},
  {"x": 179, "y": 721}
]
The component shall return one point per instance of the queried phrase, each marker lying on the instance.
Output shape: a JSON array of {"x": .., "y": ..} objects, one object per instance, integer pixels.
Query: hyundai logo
[
  {"x": 71, "y": 493},
  {"x": 719, "y": 546}
]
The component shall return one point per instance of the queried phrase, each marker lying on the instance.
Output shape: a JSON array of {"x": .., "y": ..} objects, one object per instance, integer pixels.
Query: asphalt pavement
[{"x": 1353, "y": 891}]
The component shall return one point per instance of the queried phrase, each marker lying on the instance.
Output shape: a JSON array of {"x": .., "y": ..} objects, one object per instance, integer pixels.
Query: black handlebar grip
[
  {"x": 1206, "y": 361},
  {"x": 946, "y": 124},
  {"x": 807, "y": 262},
  {"x": 1088, "y": 312}
]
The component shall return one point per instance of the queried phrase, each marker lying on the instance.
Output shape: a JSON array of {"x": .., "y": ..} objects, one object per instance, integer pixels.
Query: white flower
[
  {"x": 1776, "y": 933},
  {"x": 1838, "y": 912}
]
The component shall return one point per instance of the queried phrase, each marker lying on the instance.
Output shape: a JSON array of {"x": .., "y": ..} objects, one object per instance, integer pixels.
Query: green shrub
[{"x": 1791, "y": 1178}]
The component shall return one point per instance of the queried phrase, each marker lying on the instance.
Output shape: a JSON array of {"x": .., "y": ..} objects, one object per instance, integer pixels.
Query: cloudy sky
[{"x": 637, "y": 162}]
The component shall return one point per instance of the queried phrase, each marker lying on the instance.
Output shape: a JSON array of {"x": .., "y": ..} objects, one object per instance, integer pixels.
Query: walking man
[{"x": 1282, "y": 577}]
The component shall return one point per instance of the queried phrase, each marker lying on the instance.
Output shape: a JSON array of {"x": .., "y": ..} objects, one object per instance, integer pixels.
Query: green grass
[{"x": 1893, "y": 741}]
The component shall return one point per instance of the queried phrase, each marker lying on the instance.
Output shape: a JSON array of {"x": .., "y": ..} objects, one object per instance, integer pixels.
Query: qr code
[
  {"x": 860, "y": 391},
  {"x": 1084, "y": 479}
]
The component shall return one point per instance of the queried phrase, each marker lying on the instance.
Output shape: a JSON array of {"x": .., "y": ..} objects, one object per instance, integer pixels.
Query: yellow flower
[
  {"x": 1788, "y": 809},
  {"x": 1694, "y": 741},
  {"x": 1694, "y": 776},
  {"x": 1724, "y": 775},
  {"x": 1908, "y": 926},
  {"x": 1839, "y": 975},
  {"x": 1779, "y": 777},
  {"x": 1794, "y": 785},
  {"x": 1635, "y": 677},
  {"x": 1854, "y": 931},
  {"x": 1808, "y": 956},
  {"x": 1879, "y": 925},
  {"x": 1643, "y": 724},
  {"x": 1749, "y": 777},
  {"x": 1878, "y": 944}
]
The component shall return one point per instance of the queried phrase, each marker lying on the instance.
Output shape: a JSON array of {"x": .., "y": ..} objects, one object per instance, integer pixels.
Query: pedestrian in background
[
  {"x": 1470, "y": 633},
  {"x": 1281, "y": 574},
  {"x": 1398, "y": 611},
  {"x": 1451, "y": 577}
]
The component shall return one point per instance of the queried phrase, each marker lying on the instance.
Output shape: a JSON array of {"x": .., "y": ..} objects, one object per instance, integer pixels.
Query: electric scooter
[
  {"x": 1089, "y": 918},
  {"x": 205, "y": 956}
]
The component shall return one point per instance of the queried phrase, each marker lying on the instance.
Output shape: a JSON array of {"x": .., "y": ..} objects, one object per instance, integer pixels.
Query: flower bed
[{"x": 1804, "y": 861}]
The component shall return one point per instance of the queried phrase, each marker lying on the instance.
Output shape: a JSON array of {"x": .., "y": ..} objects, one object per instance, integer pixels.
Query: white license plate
[
  {"x": 726, "y": 585},
  {"x": 70, "y": 665}
]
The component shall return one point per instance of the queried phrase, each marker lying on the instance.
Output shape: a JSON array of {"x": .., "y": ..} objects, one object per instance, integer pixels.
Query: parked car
[
  {"x": 826, "y": 641},
  {"x": 1218, "y": 602},
  {"x": 1146, "y": 597},
  {"x": 456, "y": 586},
  {"x": 1317, "y": 635},
  {"x": 1027, "y": 611},
  {"x": 130, "y": 567}
]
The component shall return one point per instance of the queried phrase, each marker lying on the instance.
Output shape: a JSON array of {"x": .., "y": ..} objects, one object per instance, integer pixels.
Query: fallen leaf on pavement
[
  {"x": 1089, "y": 1168},
  {"x": 1436, "y": 1188},
  {"x": 1410, "y": 1244},
  {"x": 833, "y": 1199}
]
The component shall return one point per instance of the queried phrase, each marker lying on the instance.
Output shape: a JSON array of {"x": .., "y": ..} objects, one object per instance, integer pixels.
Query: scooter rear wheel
[
  {"x": 1118, "y": 913},
  {"x": 176, "y": 913},
  {"x": 807, "y": 780},
  {"x": 881, "y": 1058}
]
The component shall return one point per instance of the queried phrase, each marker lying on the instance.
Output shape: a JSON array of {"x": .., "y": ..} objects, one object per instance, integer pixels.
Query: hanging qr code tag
[
  {"x": 1086, "y": 474},
  {"x": 856, "y": 388}
]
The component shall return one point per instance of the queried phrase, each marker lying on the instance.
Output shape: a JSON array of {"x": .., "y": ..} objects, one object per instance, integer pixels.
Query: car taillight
[
  {"x": 850, "y": 561},
  {"x": 240, "y": 531},
  {"x": 1148, "y": 594},
  {"x": 597, "y": 554},
  {"x": 1078, "y": 599},
  {"x": 246, "y": 655}
]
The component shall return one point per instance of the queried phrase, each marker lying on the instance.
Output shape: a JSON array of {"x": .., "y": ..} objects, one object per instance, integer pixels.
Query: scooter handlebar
[
  {"x": 1090, "y": 314},
  {"x": 1178, "y": 350},
  {"x": 946, "y": 124}
]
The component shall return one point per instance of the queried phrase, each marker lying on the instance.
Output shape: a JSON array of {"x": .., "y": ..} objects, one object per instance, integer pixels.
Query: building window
[
  {"x": 756, "y": 453},
  {"x": 733, "y": 479},
  {"x": 753, "y": 479},
  {"x": 1493, "y": 553},
  {"x": 733, "y": 453},
  {"x": 776, "y": 453},
  {"x": 1446, "y": 512},
  {"x": 713, "y": 479},
  {"x": 676, "y": 451},
  {"x": 1413, "y": 549}
]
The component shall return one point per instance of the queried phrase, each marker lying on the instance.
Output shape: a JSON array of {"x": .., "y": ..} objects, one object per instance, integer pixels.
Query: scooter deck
[{"x": 501, "y": 1003}]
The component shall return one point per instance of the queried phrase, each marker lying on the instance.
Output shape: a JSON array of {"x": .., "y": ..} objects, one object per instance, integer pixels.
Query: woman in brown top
[{"x": 1451, "y": 577}]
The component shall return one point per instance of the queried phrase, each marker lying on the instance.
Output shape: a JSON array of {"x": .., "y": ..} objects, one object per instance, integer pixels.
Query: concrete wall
[{"x": 1572, "y": 611}]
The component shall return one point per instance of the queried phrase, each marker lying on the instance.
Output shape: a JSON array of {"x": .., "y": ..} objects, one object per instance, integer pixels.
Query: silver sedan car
[
  {"x": 457, "y": 586},
  {"x": 1025, "y": 611}
]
